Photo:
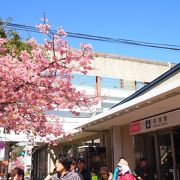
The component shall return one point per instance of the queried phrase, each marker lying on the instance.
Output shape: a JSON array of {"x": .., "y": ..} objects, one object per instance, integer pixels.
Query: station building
[
  {"x": 131, "y": 128},
  {"x": 146, "y": 124}
]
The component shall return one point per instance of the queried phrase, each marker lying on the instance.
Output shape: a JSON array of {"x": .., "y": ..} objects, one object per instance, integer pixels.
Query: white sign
[{"x": 165, "y": 120}]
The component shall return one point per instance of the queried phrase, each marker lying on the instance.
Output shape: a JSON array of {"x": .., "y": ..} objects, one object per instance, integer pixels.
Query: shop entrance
[
  {"x": 166, "y": 157},
  {"x": 169, "y": 148},
  {"x": 176, "y": 137},
  {"x": 165, "y": 147}
]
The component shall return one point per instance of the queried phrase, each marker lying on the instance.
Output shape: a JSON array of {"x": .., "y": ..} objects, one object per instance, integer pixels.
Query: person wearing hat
[{"x": 105, "y": 174}]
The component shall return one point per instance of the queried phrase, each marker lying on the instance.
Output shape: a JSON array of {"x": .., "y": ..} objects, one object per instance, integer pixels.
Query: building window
[
  {"x": 88, "y": 142},
  {"x": 140, "y": 84},
  {"x": 84, "y": 80},
  {"x": 128, "y": 84},
  {"x": 110, "y": 83},
  {"x": 6, "y": 130},
  {"x": 96, "y": 141},
  {"x": 121, "y": 83}
]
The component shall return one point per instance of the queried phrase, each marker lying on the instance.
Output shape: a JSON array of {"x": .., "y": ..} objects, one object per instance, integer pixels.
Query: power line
[{"x": 96, "y": 38}]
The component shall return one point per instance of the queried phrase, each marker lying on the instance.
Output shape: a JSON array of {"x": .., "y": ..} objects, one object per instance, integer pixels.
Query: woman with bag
[{"x": 125, "y": 172}]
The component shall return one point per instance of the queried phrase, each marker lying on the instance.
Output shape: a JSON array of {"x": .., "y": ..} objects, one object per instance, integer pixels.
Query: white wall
[{"x": 128, "y": 68}]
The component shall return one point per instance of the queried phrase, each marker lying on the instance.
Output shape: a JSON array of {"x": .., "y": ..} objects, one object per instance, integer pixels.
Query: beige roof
[{"x": 132, "y": 59}]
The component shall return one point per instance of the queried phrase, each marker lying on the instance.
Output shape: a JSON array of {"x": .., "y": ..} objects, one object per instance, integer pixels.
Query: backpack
[{"x": 127, "y": 177}]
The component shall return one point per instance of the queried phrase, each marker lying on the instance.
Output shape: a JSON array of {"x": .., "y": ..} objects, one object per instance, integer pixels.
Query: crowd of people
[
  {"x": 68, "y": 168},
  {"x": 71, "y": 169},
  {"x": 141, "y": 172}
]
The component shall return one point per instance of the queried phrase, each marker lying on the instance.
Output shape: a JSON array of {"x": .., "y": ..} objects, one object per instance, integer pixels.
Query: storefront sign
[{"x": 157, "y": 122}]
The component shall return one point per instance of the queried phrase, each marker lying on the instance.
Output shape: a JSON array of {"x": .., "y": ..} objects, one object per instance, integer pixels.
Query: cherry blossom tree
[{"x": 38, "y": 80}]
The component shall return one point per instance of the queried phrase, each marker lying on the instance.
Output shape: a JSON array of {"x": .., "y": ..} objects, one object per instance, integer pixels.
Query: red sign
[{"x": 135, "y": 127}]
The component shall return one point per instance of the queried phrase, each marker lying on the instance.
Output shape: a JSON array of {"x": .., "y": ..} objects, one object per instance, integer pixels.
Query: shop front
[{"x": 158, "y": 140}]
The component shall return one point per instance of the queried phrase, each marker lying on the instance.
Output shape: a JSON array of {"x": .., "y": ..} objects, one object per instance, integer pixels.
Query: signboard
[{"x": 165, "y": 120}]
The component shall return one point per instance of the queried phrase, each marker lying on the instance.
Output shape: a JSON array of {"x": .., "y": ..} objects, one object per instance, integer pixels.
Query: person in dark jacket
[
  {"x": 74, "y": 167},
  {"x": 143, "y": 171},
  {"x": 63, "y": 165},
  {"x": 81, "y": 168}
]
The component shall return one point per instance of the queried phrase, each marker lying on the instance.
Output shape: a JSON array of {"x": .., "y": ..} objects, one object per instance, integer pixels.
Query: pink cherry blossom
[
  {"x": 2, "y": 145},
  {"x": 86, "y": 46},
  {"x": 24, "y": 55},
  {"x": 61, "y": 32},
  {"x": 2, "y": 41},
  {"x": 41, "y": 80},
  {"x": 32, "y": 42},
  {"x": 44, "y": 28},
  {"x": 44, "y": 19}
]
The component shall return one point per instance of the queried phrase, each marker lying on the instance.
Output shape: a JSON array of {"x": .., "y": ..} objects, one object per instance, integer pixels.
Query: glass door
[
  {"x": 145, "y": 147},
  {"x": 166, "y": 156},
  {"x": 162, "y": 149},
  {"x": 176, "y": 137}
]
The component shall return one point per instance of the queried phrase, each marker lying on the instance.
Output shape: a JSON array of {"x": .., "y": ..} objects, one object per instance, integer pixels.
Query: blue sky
[{"x": 152, "y": 21}]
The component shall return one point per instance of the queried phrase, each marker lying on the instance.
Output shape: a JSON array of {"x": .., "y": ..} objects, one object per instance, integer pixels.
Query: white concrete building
[{"x": 114, "y": 78}]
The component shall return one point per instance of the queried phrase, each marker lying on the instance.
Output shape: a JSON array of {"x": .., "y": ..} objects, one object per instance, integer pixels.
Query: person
[
  {"x": 105, "y": 174},
  {"x": 74, "y": 167},
  {"x": 48, "y": 177},
  {"x": 143, "y": 171},
  {"x": 18, "y": 174},
  {"x": 122, "y": 171},
  {"x": 125, "y": 172},
  {"x": 81, "y": 168},
  {"x": 13, "y": 173},
  {"x": 63, "y": 165},
  {"x": 117, "y": 170}
]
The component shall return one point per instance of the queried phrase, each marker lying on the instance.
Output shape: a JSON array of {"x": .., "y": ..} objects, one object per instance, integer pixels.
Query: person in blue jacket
[{"x": 117, "y": 170}]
